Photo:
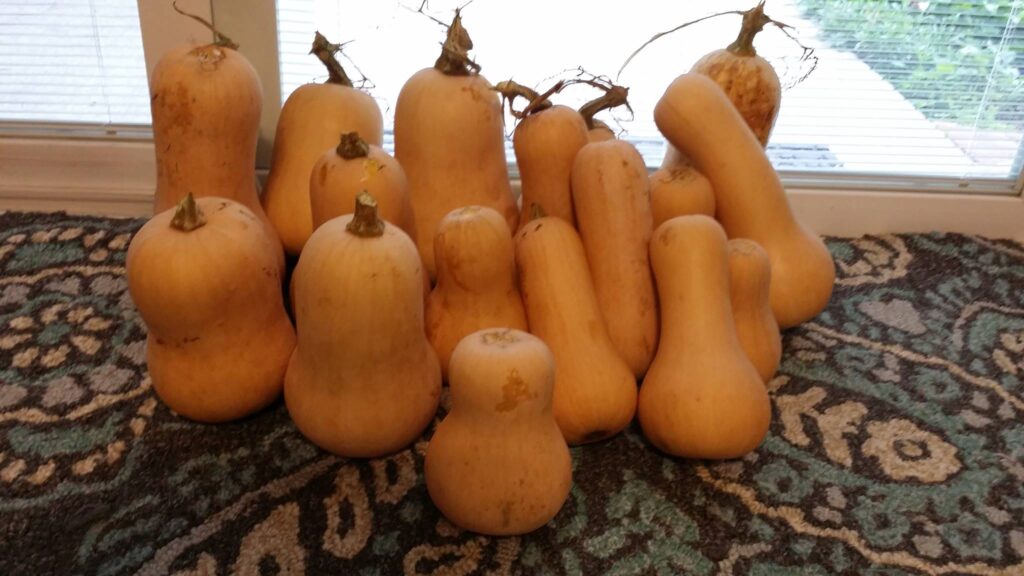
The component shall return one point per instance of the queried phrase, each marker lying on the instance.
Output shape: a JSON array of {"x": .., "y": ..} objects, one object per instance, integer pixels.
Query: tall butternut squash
[
  {"x": 702, "y": 398},
  {"x": 749, "y": 286},
  {"x": 611, "y": 194},
  {"x": 311, "y": 120},
  {"x": 546, "y": 140},
  {"x": 476, "y": 279},
  {"x": 497, "y": 464},
  {"x": 205, "y": 102},
  {"x": 698, "y": 119},
  {"x": 363, "y": 381},
  {"x": 595, "y": 390},
  {"x": 449, "y": 138},
  {"x": 208, "y": 286}
]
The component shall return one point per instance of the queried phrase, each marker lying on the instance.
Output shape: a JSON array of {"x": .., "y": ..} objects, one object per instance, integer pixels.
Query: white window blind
[
  {"x": 72, "y": 61},
  {"x": 902, "y": 89}
]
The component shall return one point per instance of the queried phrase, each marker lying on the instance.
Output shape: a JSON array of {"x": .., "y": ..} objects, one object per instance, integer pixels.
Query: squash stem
[
  {"x": 187, "y": 216},
  {"x": 325, "y": 51},
  {"x": 352, "y": 146},
  {"x": 536, "y": 211},
  {"x": 365, "y": 222},
  {"x": 613, "y": 97},
  {"x": 510, "y": 90},
  {"x": 219, "y": 39},
  {"x": 754, "y": 21},
  {"x": 454, "y": 59}
]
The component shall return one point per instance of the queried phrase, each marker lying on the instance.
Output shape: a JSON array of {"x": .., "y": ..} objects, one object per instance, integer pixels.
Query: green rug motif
[{"x": 897, "y": 444}]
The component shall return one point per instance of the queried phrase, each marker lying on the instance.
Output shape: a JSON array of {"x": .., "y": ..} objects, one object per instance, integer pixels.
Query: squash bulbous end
[
  {"x": 365, "y": 222},
  {"x": 188, "y": 216}
]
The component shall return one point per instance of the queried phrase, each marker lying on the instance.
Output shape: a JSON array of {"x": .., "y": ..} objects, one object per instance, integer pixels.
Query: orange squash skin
[
  {"x": 335, "y": 182},
  {"x": 449, "y": 138},
  {"x": 498, "y": 464},
  {"x": 312, "y": 119},
  {"x": 205, "y": 103},
  {"x": 219, "y": 338},
  {"x": 749, "y": 289},
  {"x": 750, "y": 201},
  {"x": 611, "y": 194},
  {"x": 363, "y": 381},
  {"x": 701, "y": 398},
  {"x": 546, "y": 144},
  {"x": 476, "y": 280},
  {"x": 595, "y": 390},
  {"x": 680, "y": 191}
]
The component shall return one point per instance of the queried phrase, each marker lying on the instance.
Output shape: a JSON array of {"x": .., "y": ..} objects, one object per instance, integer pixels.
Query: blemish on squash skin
[
  {"x": 514, "y": 392},
  {"x": 506, "y": 512}
]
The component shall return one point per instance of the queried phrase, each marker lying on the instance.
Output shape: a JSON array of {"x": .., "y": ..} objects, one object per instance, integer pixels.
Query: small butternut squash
[
  {"x": 449, "y": 138},
  {"x": 476, "y": 279},
  {"x": 747, "y": 79},
  {"x": 363, "y": 381},
  {"x": 749, "y": 285},
  {"x": 611, "y": 193},
  {"x": 311, "y": 120},
  {"x": 205, "y": 103},
  {"x": 595, "y": 390},
  {"x": 498, "y": 464},
  {"x": 206, "y": 282},
  {"x": 680, "y": 191},
  {"x": 702, "y": 398},
  {"x": 698, "y": 119},
  {"x": 341, "y": 173}
]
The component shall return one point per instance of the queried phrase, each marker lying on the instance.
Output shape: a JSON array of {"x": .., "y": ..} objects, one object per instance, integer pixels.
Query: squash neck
[{"x": 754, "y": 21}]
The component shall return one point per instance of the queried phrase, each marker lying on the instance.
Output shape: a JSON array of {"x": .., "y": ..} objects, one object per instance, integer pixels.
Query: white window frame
[{"x": 112, "y": 171}]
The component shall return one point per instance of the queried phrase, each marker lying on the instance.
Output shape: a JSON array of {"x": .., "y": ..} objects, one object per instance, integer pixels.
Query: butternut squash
[
  {"x": 206, "y": 282},
  {"x": 600, "y": 132},
  {"x": 311, "y": 120},
  {"x": 363, "y": 381},
  {"x": 595, "y": 390},
  {"x": 680, "y": 191},
  {"x": 698, "y": 119},
  {"x": 497, "y": 464},
  {"x": 747, "y": 79},
  {"x": 610, "y": 191},
  {"x": 341, "y": 173},
  {"x": 702, "y": 398},
  {"x": 546, "y": 141},
  {"x": 205, "y": 102},
  {"x": 749, "y": 285},
  {"x": 449, "y": 138},
  {"x": 476, "y": 279}
]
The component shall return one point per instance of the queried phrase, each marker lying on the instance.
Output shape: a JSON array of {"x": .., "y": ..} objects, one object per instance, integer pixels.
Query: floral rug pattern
[{"x": 897, "y": 444}]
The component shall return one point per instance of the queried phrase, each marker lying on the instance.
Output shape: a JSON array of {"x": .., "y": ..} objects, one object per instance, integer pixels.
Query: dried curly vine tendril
[
  {"x": 219, "y": 39},
  {"x": 325, "y": 51}
]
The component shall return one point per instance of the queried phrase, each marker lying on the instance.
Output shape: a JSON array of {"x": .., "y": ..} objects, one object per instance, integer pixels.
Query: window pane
[
  {"x": 901, "y": 88},
  {"x": 72, "y": 61}
]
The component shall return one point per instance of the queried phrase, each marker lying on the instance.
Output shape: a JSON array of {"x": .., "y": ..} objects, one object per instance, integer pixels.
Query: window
[
  {"x": 905, "y": 93},
  {"x": 73, "y": 61}
]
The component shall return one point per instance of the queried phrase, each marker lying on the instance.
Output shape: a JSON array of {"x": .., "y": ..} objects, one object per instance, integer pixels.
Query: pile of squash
[{"x": 411, "y": 270}]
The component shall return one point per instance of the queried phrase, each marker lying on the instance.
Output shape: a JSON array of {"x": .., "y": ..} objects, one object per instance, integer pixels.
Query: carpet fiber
[{"x": 897, "y": 444}]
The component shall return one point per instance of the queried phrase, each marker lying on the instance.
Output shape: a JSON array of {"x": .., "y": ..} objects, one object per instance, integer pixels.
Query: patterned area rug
[{"x": 897, "y": 444}]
